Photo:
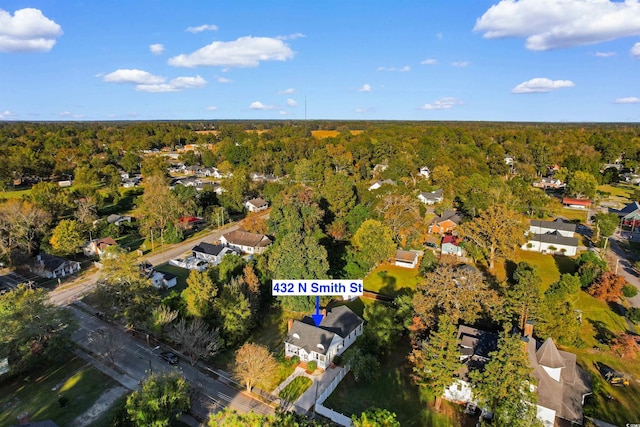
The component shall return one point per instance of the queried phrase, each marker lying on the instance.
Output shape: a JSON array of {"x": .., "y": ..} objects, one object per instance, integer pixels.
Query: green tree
[
  {"x": 364, "y": 365},
  {"x": 605, "y": 225},
  {"x": 295, "y": 210},
  {"x": 67, "y": 237},
  {"x": 231, "y": 266},
  {"x": 338, "y": 191},
  {"x": 590, "y": 267},
  {"x": 160, "y": 207},
  {"x": 581, "y": 184},
  {"x": 503, "y": 384},
  {"x": 51, "y": 197},
  {"x": 523, "y": 295},
  {"x": 254, "y": 364},
  {"x": 233, "y": 310},
  {"x": 33, "y": 333},
  {"x": 154, "y": 166},
  {"x": 498, "y": 231},
  {"x": 382, "y": 326},
  {"x": 375, "y": 417},
  {"x": 436, "y": 360},
  {"x": 557, "y": 316},
  {"x": 161, "y": 398},
  {"x": 297, "y": 257},
  {"x": 428, "y": 262},
  {"x": 131, "y": 162},
  {"x": 373, "y": 243},
  {"x": 200, "y": 294}
]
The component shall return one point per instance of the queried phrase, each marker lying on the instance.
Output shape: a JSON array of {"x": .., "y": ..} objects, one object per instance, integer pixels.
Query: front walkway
[{"x": 320, "y": 383}]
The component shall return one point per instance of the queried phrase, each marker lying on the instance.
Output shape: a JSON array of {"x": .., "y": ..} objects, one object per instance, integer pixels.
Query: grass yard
[
  {"x": 392, "y": 390},
  {"x": 573, "y": 214},
  {"x": 14, "y": 194},
  {"x": 38, "y": 395},
  {"x": 549, "y": 267},
  {"x": 616, "y": 191},
  {"x": 181, "y": 275},
  {"x": 391, "y": 280},
  {"x": 295, "y": 389}
]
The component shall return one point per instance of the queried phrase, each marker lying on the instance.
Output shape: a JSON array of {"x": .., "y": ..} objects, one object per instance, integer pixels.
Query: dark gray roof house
[
  {"x": 338, "y": 329},
  {"x": 557, "y": 224}
]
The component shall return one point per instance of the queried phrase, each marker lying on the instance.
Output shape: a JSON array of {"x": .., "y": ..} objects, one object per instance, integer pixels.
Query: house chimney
[
  {"x": 528, "y": 329},
  {"x": 289, "y": 325},
  {"x": 23, "y": 419}
]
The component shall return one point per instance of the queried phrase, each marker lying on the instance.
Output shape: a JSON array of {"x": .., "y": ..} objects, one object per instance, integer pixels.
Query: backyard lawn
[
  {"x": 549, "y": 267},
  {"x": 391, "y": 280},
  {"x": 81, "y": 385},
  {"x": 392, "y": 390}
]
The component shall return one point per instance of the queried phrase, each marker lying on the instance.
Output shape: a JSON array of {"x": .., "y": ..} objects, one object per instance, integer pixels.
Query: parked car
[{"x": 169, "y": 357}]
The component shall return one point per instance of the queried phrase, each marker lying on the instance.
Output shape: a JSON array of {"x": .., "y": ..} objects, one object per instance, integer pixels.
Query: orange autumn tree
[{"x": 608, "y": 287}]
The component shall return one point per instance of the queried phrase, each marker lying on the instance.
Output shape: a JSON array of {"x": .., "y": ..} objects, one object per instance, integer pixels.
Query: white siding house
[
  {"x": 552, "y": 237},
  {"x": 337, "y": 331}
]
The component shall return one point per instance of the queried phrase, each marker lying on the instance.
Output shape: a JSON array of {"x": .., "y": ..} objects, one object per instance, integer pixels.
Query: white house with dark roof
[
  {"x": 53, "y": 267},
  {"x": 336, "y": 332},
  {"x": 432, "y": 197},
  {"x": 252, "y": 243},
  {"x": 552, "y": 237},
  {"x": 213, "y": 254},
  {"x": 561, "y": 384},
  {"x": 162, "y": 279},
  {"x": 256, "y": 205}
]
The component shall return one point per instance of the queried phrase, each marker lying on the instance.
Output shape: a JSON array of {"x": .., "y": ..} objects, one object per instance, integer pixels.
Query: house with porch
[
  {"x": 96, "y": 247},
  {"x": 432, "y": 197},
  {"x": 561, "y": 384},
  {"x": 629, "y": 215},
  {"x": 252, "y": 243},
  {"x": 338, "y": 329},
  {"x": 552, "y": 237},
  {"x": 53, "y": 267}
]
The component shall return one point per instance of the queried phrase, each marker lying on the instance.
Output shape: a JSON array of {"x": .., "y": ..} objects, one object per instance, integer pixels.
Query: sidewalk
[{"x": 320, "y": 383}]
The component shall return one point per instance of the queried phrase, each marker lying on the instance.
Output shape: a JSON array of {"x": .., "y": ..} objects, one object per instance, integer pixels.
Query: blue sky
[{"x": 498, "y": 60}]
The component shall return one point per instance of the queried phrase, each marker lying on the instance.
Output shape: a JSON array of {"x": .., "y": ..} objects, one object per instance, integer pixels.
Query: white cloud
[
  {"x": 439, "y": 36},
  {"x": 70, "y": 115},
  {"x": 429, "y": 61},
  {"x": 552, "y": 24},
  {"x": 244, "y": 52},
  {"x": 257, "y": 105},
  {"x": 401, "y": 69},
  {"x": 541, "y": 85},
  {"x": 291, "y": 102},
  {"x": 442, "y": 104},
  {"x": 133, "y": 76},
  {"x": 365, "y": 88},
  {"x": 291, "y": 36},
  {"x": 286, "y": 91},
  {"x": 156, "y": 48},
  {"x": 4, "y": 115},
  {"x": 175, "y": 85},
  {"x": 629, "y": 100},
  {"x": 202, "y": 28},
  {"x": 361, "y": 110},
  {"x": 282, "y": 113},
  {"x": 460, "y": 64},
  {"x": 28, "y": 30},
  {"x": 604, "y": 54},
  {"x": 211, "y": 108},
  {"x": 635, "y": 50},
  {"x": 223, "y": 80}
]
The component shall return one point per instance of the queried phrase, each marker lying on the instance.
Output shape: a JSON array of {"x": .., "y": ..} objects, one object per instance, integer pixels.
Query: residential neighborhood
[{"x": 551, "y": 289}]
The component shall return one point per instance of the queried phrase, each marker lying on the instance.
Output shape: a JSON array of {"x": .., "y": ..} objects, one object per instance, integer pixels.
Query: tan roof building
[{"x": 253, "y": 243}]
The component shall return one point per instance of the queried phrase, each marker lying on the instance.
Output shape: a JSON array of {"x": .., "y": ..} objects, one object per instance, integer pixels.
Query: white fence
[{"x": 334, "y": 416}]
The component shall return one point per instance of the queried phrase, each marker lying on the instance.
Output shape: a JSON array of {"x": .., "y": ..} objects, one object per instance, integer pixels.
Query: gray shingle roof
[
  {"x": 339, "y": 321},
  {"x": 207, "y": 248},
  {"x": 554, "y": 239},
  {"x": 557, "y": 224}
]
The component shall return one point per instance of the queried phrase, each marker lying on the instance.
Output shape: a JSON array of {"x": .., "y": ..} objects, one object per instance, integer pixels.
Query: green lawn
[
  {"x": 38, "y": 394},
  {"x": 574, "y": 214},
  {"x": 15, "y": 194},
  {"x": 391, "y": 280},
  {"x": 295, "y": 389},
  {"x": 549, "y": 267},
  {"x": 181, "y": 274},
  {"x": 599, "y": 324},
  {"x": 392, "y": 390}
]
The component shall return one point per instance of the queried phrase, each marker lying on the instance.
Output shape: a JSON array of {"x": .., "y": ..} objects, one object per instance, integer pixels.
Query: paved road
[
  {"x": 135, "y": 359},
  {"x": 67, "y": 293},
  {"x": 625, "y": 268}
]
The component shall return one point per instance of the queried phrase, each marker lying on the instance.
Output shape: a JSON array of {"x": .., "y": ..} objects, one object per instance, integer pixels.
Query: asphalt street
[{"x": 136, "y": 360}]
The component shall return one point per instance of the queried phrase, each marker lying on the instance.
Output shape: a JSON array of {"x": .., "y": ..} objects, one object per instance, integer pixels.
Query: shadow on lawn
[{"x": 603, "y": 334}]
